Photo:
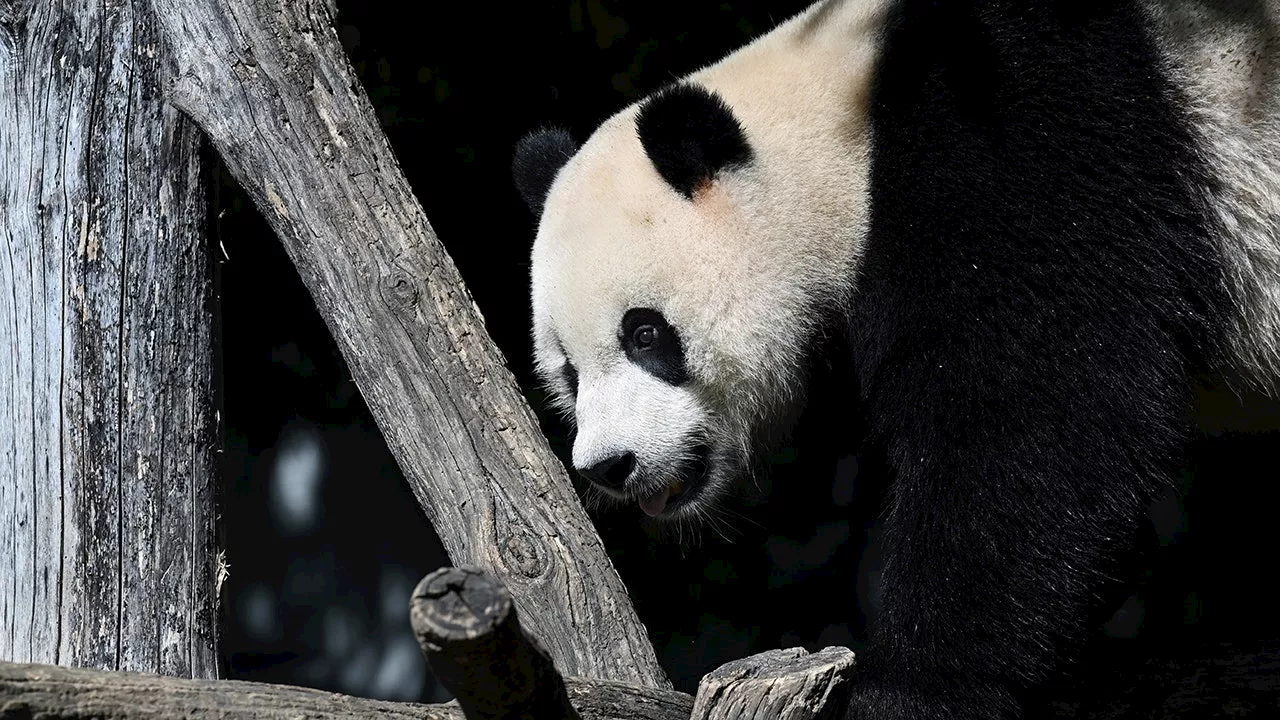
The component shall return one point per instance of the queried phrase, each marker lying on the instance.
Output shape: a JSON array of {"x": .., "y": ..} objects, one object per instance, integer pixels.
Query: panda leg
[
  {"x": 1039, "y": 284},
  {"x": 1014, "y": 495}
]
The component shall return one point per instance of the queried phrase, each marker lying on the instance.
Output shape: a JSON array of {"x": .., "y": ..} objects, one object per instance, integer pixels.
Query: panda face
[
  {"x": 687, "y": 257},
  {"x": 671, "y": 331},
  {"x": 642, "y": 432},
  {"x": 622, "y": 345}
]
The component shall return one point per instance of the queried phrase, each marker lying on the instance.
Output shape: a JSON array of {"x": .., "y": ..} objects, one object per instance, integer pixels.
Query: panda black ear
[
  {"x": 538, "y": 159},
  {"x": 690, "y": 134}
]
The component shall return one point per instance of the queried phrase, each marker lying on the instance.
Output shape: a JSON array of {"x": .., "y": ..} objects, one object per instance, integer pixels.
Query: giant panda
[{"x": 1034, "y": 226}]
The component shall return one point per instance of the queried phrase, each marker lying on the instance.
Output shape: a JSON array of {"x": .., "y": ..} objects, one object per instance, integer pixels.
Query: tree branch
[
  {"x": 470, "y": 633},
  {"x": 268, "y": 82},
  {"x": 56, "y": 693},
  {"x": 468, "y": 630}
]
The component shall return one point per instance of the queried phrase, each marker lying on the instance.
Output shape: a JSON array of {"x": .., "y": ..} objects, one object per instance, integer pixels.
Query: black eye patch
[
  {"x": 570, "y": 374},
  {"x": 650, "y": 342}
]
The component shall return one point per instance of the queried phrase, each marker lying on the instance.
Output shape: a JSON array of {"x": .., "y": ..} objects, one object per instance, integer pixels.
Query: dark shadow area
[{"x": 323, "y": 538}]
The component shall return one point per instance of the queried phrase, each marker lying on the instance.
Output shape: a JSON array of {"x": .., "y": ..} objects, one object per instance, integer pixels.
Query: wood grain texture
[
  {"x": 470, "y": 632},
  {"x": 51, "y": 693},
  {"x": 790, "y": 684},
  {"x": 27, "y": 691},
  {"x": 108, "y": 431},
  {"x": 268, "y": 82}
]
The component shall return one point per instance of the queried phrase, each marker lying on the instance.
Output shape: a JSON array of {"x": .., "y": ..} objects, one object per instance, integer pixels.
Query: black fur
[
  {"x": 664, "y": 356},
  {"x": 690, "y": 134},
  {"x": 570, "y": 376},
  {"x": 538, "y": 158},
  {"x": 1039, "y": 285}
]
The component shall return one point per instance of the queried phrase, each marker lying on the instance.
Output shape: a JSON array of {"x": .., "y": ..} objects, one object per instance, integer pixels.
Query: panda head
[{"x": 683, "y": 267}]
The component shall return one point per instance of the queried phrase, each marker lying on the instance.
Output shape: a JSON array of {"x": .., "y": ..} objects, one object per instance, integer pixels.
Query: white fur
[
  {"x": 738, "y": 272},
  {"x": 1227, "y": 63},
  {"x": 629, "y": 410}
]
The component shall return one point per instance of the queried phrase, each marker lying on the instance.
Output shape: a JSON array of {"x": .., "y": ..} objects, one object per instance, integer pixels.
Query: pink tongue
[{"x": 654, "y": 504}]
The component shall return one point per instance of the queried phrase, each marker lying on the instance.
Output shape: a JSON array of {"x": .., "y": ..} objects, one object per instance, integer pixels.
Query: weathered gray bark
[
  {"x": 268, "y": 82},
  {"x": 107, "y": 423},
  {"x": 1237, "y": 681},
  {"x": 50, "y": 693},
  {"x": 787, "y": 684},
  {"x": 470, "y": 633}
]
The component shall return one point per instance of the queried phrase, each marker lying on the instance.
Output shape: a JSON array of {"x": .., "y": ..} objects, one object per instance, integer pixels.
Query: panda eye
[
  {"x": 644, "y": 336},
  {"x": 653, "y": 344}
]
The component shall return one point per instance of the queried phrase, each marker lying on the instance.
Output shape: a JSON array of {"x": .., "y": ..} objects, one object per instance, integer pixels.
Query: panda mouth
[{"x": 683, "y": 489}]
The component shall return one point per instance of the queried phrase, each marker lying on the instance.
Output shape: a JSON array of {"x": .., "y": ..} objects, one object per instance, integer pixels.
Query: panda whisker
[
  {"x": 593, "y": 499},
  {"x": 715, "y": 517}
]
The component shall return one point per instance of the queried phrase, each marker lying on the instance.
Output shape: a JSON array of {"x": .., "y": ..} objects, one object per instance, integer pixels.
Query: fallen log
[{"x": 52, "y": 692}]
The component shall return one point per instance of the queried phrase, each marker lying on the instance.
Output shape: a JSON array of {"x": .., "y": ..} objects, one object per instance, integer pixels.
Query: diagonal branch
[{"x": 268, "y": 82}]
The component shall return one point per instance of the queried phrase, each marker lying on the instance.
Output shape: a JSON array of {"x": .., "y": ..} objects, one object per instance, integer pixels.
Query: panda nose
[{"x": 611, "y": 472}]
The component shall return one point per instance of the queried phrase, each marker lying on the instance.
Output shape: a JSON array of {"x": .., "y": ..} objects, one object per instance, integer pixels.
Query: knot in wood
[
  {"x": 399, "y": 290},
  {"x": 520, "y": 549},
  {"x": 13, "y": 19}
]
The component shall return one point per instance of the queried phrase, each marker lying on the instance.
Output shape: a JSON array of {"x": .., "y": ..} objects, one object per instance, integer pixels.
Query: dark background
[{"x": 324, "y": 540}]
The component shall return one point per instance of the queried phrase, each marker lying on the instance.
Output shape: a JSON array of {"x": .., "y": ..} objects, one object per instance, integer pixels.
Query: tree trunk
[
  {"x": 268, "y": 82},
  {"x": 108, "y": 432}
]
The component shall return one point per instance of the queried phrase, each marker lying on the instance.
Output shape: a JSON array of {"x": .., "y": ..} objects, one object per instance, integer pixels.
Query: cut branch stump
[
  {"x": 467, "y": 627},
  {"x": 789, "y": 684},
  {"x": 470, "y": 633}
]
